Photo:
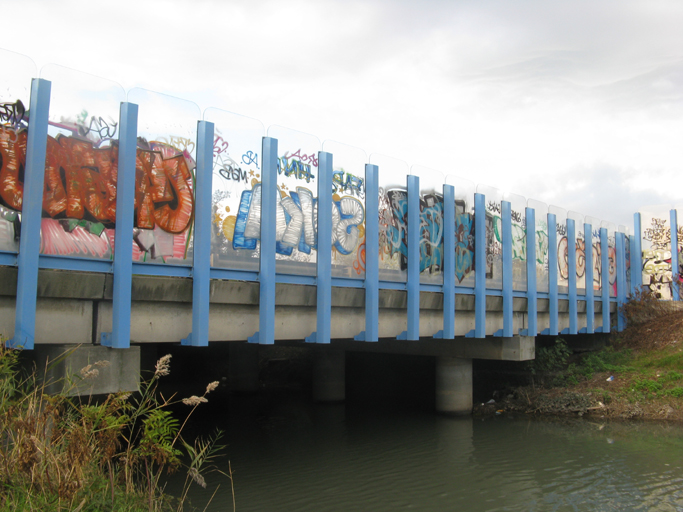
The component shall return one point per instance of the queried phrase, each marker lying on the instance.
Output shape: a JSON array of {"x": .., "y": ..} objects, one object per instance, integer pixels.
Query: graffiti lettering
[
  {"x": 464, "y": 245},
  {"x": 182, "y": 144},
  {"x": 232, "y": 173},
  {"x": 311, "y": 159},
  {"x": 99, "y": 126},
  {"x": 657, "y": 271},
  {"x": 12, "y": 113},
  {"x": 220, "y": 145},
  {"x": 249, "y": 158},
  {"x": 294, "y": 168},
  {"x": 348, "y": 183}
]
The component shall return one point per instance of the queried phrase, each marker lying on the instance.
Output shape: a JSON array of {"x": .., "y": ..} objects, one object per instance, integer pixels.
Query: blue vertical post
[
  {"x": 123, "y": 237},
  {"x": 322, "y": 333},
  {"x": 531, "y": 281},
  {"x": 604, "y": 280},
  {"x": 266, "y": 333},
  {"x": 675, "y": 278},
  {"x": 201, "y": 267},
  {"x": 506, "y": 220},
  {"x": 371, "y": 332},
  {"x": 571, "y": 278},
  {"x": 552, "y": 277},
  {"x": 413, "y": 284},
  {"x": 31, "y": 212},
  {"x": 590, "y": 294},
  {"x": 636, "y": 256},
  {"x": 479, "y": 330},
  {"x": 448, "y": 331},
  {"x": 620, "y": 242}
]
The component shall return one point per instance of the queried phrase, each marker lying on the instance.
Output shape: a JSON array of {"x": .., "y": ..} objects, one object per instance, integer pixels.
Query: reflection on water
[{"x": 300, "y": 457}]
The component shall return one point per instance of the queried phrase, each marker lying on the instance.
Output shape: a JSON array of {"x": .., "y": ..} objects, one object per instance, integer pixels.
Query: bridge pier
[
  {"x": 453, "y": 385},
  {"x": 243, "y": 367},
  {"x": 329, "y": 379}
]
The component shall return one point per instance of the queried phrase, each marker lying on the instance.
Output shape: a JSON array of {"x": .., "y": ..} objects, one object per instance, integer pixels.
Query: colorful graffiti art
[
  {"x": 80, "y": 191},
  {"x": 657, "y": 272}
]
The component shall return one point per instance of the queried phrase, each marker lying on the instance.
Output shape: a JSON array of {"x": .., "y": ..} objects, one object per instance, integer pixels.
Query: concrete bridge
[{"x": 245, "y": 237}]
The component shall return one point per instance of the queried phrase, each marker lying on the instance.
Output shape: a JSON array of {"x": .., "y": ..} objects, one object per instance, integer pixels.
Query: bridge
[{"x": 129, "y": 219}]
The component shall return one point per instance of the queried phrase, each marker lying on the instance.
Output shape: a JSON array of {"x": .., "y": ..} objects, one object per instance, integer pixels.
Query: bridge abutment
[{"x": 453, "y": 385}]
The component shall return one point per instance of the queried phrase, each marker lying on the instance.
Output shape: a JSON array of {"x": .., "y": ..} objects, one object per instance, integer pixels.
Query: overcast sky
[{"x": 575, "y": 103}]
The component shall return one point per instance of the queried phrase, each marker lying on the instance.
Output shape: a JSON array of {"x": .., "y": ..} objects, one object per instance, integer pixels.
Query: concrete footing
[
  {"x": 243, "y": 368},
  {"x": 329, "y": 375},
  {"x": 453, "y": 386},
  {"x": 87, "y": 369}
]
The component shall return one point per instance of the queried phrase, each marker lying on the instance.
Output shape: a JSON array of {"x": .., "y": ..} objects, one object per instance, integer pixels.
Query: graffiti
[
  {"x": 431, "y": 230},
  {"x": 99, "y": 126},
  {"x": 347, "y": 183},
  {"x": 220, "y": 145},
  {"x": 542, "y": 245},
  {"x": 464, "y": 245},
  {"x": 311, "y": 159},
  {"x": 296, "y": 221},
  {"x": 563, "y": 257},
  {"x": 295, "y": 168},
  {"x": 81, "y": 183},
  {"x": 232, "y": 173},
  {"x": 182, "y": 144},
  {"x": 12, "y": 113},
  {"x": 657, "y": 271},
  {"x": 359, "y": 263},
  {"x": 249, "y": 158}
]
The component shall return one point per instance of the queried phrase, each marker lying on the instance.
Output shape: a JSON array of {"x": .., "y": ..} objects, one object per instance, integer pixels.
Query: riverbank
[{"x": 638, "y": 375}]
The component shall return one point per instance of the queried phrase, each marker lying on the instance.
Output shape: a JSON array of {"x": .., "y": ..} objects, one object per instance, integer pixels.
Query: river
[{"x": 290, "y": 455}]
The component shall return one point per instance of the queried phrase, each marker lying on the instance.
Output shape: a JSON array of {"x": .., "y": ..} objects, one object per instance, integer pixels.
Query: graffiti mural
[
  {"x": 464, "y": 244},
  {"x": 394, "y": 229},
  {"x": 80, "y": 190},
  {"x": 657, "y": 272}
]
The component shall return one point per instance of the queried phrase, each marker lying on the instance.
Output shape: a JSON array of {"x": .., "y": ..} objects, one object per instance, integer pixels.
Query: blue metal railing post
[
  {"x": 371, "y": 332},
  {"x": 590, "y": 293},
  {"x": 448, "y": 331},
  {"x": 322, "y": 333},
  {"x": 553, "y": 306},
  {"x": 201, "y": 264},
  {"x": 31, "y": 213},
  {"x": 479, "y": 330},
  {"x": 674, "y": 255},
  {"x": 604, "y": 280},
  {"x": 269, "y": 200},
  {"x": 413, "y": 284},
  {"x": 531, "y": 281},
  {"x": 620, "y": 242},
  {"x": 123, "y": 237},
  {"x": 636, "y": 256},
  {"x": 571, "y": 278},
  {"x": 506, "y": 220}
]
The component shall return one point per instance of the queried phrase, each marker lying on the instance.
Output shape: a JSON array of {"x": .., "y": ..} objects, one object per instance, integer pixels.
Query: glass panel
[
  {"x": 656, "y": 246},
  {"x": 597, "y": 251},
  {"x": 494, "y": 247},
  {"x": 236, "y": 172},
  {"x": 164, "y": 203},
  {"x": 393, "y": 215},
  {"x": 431, "y": 224},
  {"x": 679, "y": 271},
  {"x": 348, "y": 188},
  {"x": 81, "y": 168},
  {"x": 627, "y": 250},
  {"x": 562, "y": 252},
  {"x": 541, "y": 214},
  {"x": 14, "y": 102},
  {"x": 612, "y": 257},
  {"x": 580, "y": 252},
  {"x": 297, "y": 182},
  {"x": 464, "y": 230},
  {"x": 518, "y": 205}
]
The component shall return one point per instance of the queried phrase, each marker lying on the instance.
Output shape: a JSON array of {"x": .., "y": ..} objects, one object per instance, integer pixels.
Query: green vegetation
[{"x": 58, "y": 453}]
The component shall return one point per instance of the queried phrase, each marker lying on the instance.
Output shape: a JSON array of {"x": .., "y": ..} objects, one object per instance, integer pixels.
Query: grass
[{"x": 60, "y": 453}]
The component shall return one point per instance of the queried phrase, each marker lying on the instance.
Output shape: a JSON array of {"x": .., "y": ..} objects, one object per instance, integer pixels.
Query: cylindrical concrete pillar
[
  {"x": 329, "y": 375},
  {"x": 453, "y": 386},
  {"x": 243, "y": 367}
]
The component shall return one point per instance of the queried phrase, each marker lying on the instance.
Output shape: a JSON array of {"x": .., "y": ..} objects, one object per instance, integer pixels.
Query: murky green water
[{"x": 294, "y": 456}]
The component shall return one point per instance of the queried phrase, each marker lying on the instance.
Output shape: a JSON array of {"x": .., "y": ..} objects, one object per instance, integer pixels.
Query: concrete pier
[{"x": 453, "y": 386}]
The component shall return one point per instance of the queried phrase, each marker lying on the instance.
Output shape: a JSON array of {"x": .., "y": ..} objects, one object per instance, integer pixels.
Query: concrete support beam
[
  {"x": 243, "y": 367},
  {"x": 329, "y": 375},
  {"x": 122, "y": 373},
  {"x": 453, "y": 386}
]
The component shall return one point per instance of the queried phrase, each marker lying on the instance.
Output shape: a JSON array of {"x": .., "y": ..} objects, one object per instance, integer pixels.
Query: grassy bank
[
  {"x": 638, "y": 375},
  {"x": 59, "y": 452}
]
